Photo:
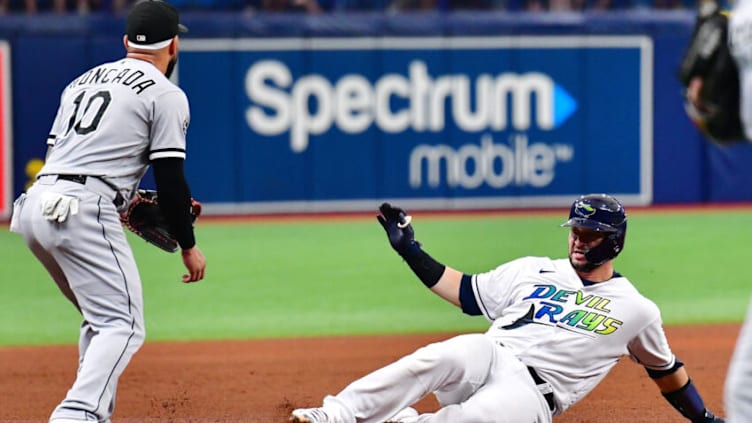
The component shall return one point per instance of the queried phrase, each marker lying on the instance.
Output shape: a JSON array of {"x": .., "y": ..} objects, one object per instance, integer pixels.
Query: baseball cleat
[
  {"x": 310, "y": 415},
  {"x": 407, "y": 415}
]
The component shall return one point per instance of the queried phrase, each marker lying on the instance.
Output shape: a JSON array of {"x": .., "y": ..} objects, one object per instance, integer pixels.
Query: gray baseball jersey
[{"x": 111, "y": 121}]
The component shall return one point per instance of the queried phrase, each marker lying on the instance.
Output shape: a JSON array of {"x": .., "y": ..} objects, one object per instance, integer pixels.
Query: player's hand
[
  {"x": 693, "y": 91},
  {"x": 195, "y": 262},
  {"x": 396, "y": 223}
]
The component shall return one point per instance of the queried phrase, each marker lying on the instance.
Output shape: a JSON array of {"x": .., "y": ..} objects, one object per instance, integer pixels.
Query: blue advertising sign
[{"x": 333, "y": 124}]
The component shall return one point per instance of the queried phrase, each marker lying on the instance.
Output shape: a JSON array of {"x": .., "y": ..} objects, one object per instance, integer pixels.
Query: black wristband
[
  {"x": 427, "y": 269},
  {"x": 687, "y": 401}
]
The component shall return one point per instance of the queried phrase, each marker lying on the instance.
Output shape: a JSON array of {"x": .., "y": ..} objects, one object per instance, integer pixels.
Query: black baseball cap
[{"x": 151, "y": 24}]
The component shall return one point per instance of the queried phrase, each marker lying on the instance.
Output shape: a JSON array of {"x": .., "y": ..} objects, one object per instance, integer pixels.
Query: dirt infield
[{"x": 261, "y": 381}]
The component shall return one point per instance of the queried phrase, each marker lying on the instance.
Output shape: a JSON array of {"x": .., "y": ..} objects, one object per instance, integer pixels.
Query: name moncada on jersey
[{"x": 133, "y": 78}]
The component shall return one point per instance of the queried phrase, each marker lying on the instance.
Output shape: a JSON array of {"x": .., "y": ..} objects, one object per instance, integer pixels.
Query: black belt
[
  {"x": 538, "y": 381},
  {"x": 81, "y": 179}
]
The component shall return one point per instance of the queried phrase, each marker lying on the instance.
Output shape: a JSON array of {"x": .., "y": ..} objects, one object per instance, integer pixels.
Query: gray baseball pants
[{"x": 89, "y": 258}]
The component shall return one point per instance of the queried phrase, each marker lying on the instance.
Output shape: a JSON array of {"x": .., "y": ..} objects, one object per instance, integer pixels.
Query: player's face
[{"x": 581, "y": 240}]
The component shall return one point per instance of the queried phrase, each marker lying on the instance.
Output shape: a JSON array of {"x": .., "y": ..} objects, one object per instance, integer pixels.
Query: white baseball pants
[{"x": 475, "y": 380}]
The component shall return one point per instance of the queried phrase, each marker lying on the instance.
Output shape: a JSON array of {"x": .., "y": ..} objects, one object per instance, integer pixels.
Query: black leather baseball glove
[
  {"x": 144, "y": 218},
  {"x": 711, "y": 78}
]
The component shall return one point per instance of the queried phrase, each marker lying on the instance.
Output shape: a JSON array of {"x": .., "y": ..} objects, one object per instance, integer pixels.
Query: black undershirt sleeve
[
  {"x": 175, "y": 199},
  {"x": 467, "y": 297}
]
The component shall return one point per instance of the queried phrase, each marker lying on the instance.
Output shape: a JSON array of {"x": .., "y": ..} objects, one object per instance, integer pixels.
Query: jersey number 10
[{"x": 92, "y": 126}]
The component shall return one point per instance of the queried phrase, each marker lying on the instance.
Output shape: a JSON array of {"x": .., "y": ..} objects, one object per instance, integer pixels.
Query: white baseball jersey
[
  {"x": 577, "y": 332},
  {"x": 740, "y": 44},
  {"x": 739, "y": 379},
  {"x": 113, "y": 119},
  {"x": 544, "y": 317}
]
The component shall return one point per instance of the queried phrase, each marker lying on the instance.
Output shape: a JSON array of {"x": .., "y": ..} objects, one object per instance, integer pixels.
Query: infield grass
[{"x": 287, "y": 278}]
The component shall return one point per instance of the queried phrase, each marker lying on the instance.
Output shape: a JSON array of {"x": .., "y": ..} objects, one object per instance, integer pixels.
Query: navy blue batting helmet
[{"x": 600, "y": 213}]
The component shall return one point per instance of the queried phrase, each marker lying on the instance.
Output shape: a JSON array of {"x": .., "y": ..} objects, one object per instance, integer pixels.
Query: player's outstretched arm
[
  {"x": 681, "y": 393},
  {"x": 441, "y": 279}
]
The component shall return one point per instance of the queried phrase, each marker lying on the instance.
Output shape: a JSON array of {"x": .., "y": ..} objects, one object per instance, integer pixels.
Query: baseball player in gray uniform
[
  {"x": 113, "y": 121},
  {"x": 558, "y": 327},
  {"x": 738, "y": 390}
]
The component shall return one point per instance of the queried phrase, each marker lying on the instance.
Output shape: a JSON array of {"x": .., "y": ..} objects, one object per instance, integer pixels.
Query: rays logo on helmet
[{"x": 584, "y": 210}]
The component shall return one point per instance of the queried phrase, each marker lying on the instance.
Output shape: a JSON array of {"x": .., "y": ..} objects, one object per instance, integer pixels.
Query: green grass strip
[{"x": 335, "y": 277}]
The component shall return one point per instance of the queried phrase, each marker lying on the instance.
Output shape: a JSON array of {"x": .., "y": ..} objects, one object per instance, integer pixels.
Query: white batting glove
[{"x": 57, "y": 207}]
